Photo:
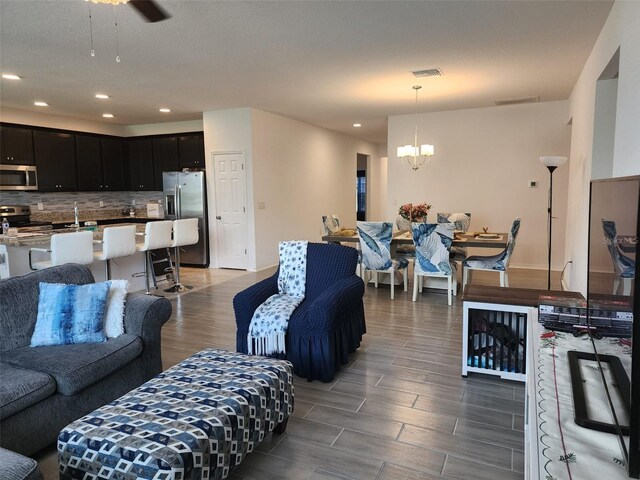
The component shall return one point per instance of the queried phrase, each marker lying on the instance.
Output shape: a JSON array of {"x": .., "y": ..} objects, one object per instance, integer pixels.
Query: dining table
[{"x": 403, "y": 237}]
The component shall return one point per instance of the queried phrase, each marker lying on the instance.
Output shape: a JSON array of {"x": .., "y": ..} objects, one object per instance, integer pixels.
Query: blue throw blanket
[{"x": 269, "y": 324}]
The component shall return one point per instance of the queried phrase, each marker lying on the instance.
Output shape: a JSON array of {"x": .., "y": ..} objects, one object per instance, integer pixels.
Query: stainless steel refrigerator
[{"x": 185, "y": 196}]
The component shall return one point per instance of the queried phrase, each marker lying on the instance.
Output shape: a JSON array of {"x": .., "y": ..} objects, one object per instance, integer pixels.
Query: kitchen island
[{"x": 130, "y": 268}]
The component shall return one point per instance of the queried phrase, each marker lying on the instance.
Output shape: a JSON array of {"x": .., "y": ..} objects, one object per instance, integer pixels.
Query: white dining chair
[
  {"x": 432, "y": 242},
  {"x": 185, "y": 232},
  {"x": 157, "y": 235},
  {"x": 116, "y": 242},
  {"x": 493, "y": 263},
  {"x": 462, "y": 222},
  {"x": 623, "y": 266},
  {"x": 375, "y": 241},
  {"x": 74, "y": 247}
]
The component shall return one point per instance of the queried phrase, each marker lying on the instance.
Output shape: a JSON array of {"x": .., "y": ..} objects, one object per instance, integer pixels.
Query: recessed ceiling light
[
  {"x": 102, "y": 96},
  {"x": 10, "y": 76},
  {"x": 41, "y": 104},
  {"x": 357, "y": 125},
  {"x": 107, "y": 115},
  {"x": 165, "y": 110}
]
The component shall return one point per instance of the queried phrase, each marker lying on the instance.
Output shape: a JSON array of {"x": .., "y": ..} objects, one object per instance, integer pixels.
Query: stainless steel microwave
[{"x": 18, "y": 177}]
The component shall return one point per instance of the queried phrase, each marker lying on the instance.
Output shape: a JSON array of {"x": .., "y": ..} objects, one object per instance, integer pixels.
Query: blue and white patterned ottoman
[{"x": 196, "y": 420}]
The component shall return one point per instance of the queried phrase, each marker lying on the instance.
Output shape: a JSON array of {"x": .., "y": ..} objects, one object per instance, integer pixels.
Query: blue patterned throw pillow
[{"x": 70, "y": 314}]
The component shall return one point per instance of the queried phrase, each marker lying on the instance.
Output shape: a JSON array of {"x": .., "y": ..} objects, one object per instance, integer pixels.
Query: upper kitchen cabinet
[
  {"x": 56, "y": 161},
  {"x": 140, "y": 164},
  {"x": 89, "y": 163},
  {"x": 165, "y": 158},
  {"x": 113, "y": 163},
  {"x": 16, "y": 146},
  {"x": 191, "y": 149}
]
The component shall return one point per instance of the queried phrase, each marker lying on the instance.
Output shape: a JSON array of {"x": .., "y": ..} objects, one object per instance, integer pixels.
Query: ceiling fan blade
[{"x": 150, "y": 10}]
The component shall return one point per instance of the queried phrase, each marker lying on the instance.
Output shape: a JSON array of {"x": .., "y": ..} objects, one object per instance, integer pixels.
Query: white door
[{"x": 231, "y": 215}]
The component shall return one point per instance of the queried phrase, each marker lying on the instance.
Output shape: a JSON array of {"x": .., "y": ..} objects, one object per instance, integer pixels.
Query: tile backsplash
[{"x": 60, "y": 203}]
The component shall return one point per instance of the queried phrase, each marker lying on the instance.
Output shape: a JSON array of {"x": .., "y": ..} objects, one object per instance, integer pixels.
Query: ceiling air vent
[
  {"x": 515, "y": 101},
  {"x": 431, "y": 72}
]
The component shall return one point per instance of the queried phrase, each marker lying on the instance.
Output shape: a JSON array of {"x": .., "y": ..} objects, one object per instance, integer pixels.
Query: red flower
[{"x": 417, "y": 212}]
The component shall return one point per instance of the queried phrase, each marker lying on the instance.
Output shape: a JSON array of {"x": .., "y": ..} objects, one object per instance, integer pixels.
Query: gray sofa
[
  {"x": 17, "y": 467},
  {"x": 43, "y": 389}
]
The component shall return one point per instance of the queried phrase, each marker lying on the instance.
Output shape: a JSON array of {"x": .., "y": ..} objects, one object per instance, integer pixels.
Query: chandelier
[{"x": 416, "y": 155}]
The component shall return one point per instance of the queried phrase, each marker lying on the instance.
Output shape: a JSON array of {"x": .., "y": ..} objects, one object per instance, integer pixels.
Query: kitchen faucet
[{"x": 76, "y": 222}]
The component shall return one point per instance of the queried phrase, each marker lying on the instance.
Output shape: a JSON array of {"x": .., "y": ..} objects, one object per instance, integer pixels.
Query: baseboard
[
  {"x": 265, "y": 268},
  {"x": 533, "y": 267}
]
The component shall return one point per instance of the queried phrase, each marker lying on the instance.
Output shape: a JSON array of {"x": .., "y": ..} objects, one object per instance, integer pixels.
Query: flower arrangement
[{"x": 414, "y": 212}]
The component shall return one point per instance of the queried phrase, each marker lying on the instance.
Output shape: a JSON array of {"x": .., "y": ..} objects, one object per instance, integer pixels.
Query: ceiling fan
[{"x": 149, "y": 9}]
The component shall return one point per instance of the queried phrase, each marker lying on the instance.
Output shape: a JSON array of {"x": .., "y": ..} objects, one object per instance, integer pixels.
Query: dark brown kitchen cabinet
[
  {"x": 165, "y": 158},
  {"x": 89, "y": 163},
  {"x": 113, "y": 163},
  {"x": 16, "y": 146},
  {"x": 191, "y": 149},
  {"x": 140, "y": 153},
  {"x": 56, "y": 161}
]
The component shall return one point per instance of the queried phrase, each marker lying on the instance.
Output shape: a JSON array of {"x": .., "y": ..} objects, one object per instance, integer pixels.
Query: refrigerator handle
[
  {"x": 178, "y": 202},
  {"x": 169, "y": 201}
]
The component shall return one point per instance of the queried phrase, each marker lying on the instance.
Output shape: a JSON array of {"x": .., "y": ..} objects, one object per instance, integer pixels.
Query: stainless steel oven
[{"x": 18, "y": 177}]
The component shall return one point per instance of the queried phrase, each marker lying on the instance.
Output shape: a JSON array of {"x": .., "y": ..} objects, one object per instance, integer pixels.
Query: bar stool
[
  {"x": 75, "y": 247},
  {"x": 156, "y": 235},
  {"x": 185, "y": 232},
  {"x": 116, "y": 242}
]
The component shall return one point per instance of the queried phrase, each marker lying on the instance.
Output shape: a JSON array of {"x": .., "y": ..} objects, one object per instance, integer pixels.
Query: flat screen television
[{"x": 613, "y": 263}]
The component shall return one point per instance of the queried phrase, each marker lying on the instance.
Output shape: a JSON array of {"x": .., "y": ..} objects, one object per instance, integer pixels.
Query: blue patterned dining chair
[
  {"x": 432, "y": 242},
  {"x": 623, "y": 266},
  {"x": 375, "y": 244},
  {"x": 330, "y": 224},
  {"x": 493, "y": 263},
  {"x": 462, "y": 222}
]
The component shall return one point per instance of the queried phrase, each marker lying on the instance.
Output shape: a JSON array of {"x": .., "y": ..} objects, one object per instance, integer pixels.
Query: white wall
[
  {"x": 604, "y": 128},
  {"x": 229, "y": 131},
  {"x": 619, "y": 31},
  {"x": 23, "y": 117},
  {"x": 377, "y": 187},
  {"x": 163, "y": 128},
  {"x": 300, "y": 172},
  {"x": 484, "y": 159}
]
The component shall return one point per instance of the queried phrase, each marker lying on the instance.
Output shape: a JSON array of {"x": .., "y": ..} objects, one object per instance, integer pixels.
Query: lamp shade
[
  {"x": 552, "y": 161},
  {"x": 427, "y": 150},
  {"x": 406, "y": 151}
]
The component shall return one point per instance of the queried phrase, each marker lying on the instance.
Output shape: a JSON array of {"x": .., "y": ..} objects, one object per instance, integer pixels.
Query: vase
[{"x": 403, "y": 223}]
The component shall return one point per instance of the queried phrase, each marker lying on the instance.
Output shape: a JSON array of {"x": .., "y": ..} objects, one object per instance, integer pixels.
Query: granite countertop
[{"x": 43, "y": 239}]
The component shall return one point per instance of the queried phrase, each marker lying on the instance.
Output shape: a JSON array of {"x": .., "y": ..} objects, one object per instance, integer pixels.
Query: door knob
[{"x": 218, "y": 217}]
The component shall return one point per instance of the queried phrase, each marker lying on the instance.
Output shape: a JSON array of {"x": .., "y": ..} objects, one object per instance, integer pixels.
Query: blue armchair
[{"x": 327, "y": 325}]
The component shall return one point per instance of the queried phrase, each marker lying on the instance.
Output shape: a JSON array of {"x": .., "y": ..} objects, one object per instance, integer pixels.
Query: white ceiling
[{"x": 326, "y": 63}]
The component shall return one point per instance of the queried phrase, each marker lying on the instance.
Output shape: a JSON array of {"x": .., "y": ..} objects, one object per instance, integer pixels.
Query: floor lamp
[{"x": 551, "y": 163}]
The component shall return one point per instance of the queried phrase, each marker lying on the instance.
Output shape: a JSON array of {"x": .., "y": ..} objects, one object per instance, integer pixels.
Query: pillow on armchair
[{"x": 70, "y": 314}]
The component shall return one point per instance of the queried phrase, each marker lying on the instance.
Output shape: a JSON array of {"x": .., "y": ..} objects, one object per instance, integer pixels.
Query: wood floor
[{"x": 399, "y": 409}]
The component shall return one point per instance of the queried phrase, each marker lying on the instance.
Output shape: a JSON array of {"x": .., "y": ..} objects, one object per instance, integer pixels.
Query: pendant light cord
[
  {"x": 93, "y": 52},
  {"x": 115, "y": 19},
  {"x": 415, "y": 137}
]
